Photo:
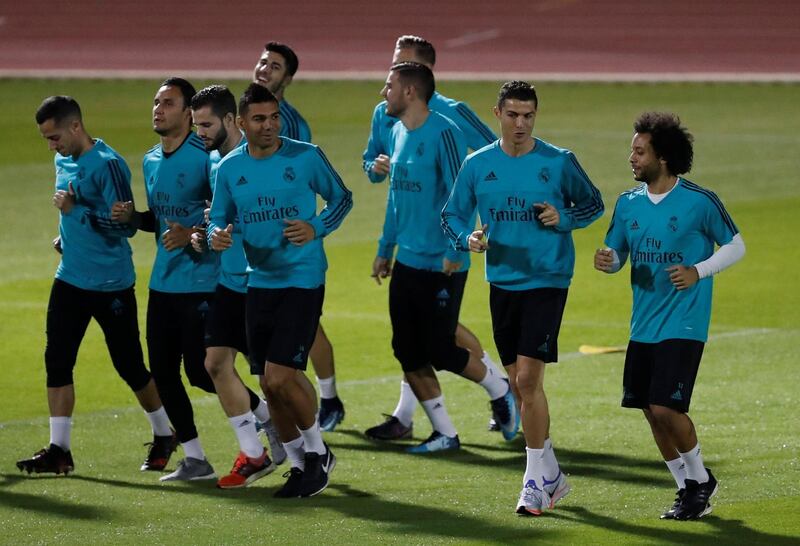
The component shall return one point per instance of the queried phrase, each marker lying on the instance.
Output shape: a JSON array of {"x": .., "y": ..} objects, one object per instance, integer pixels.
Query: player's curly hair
[
  {"x": 517, "y": 90},
  {"x": 670, "y": 140}
]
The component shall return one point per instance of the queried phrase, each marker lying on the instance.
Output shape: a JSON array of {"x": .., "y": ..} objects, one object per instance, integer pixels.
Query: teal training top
[
  {"x": 680, "y": 229},
  {"x": 523, "y": 253},
  {"x": 95, "y": 250},
  {"x": 424, "y": 163},
  {"x": 177, "y": 186},
  {"x": 263, "y": 193},
  {"x": 233, "y": 264},
  {"x": 476, "y": 133},
  {"x": 292, "y": 123}
]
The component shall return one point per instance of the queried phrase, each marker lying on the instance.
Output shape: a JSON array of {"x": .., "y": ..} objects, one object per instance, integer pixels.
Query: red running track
[{"x": 565, "y": 37}]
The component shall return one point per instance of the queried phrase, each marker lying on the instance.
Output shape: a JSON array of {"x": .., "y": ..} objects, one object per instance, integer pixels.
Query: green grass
[{"x": 744, "y": 404}]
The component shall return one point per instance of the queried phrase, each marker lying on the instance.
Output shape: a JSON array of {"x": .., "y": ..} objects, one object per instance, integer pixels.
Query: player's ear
[
  {"x": 497, "y": 112},
  {"x": 240, "y": 122}
]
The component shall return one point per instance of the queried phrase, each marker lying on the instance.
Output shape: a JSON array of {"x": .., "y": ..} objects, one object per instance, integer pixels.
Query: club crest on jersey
[
  {"x": 181, "y": 180},
  {"x": 544, "y": 175},
  {"x": 421, "y": 149},
  {"x": 673, "y": 223},
  {"x": 289, "y": 174}
]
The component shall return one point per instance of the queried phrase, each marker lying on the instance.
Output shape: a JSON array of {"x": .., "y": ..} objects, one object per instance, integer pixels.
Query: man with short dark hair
[
  {"x": 275, "y": 70},
  {"x": 530, "y": 196},
  {"x": 376, "y": 165},
  {"x": 214, "y": 116},
  {"x": 669, "y": 227},
  {"x": 428, "y": 278},
  {"x": 271, "y": 184},
  {"x": 182, "y": 283},
  {"x": 95, "y": 279}
]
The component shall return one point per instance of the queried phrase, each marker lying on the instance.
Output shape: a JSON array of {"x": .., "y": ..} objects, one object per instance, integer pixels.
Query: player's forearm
[{"x": 723, "y": 258}]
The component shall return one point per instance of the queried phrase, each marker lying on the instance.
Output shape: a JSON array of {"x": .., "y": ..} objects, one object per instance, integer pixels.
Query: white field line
[
  {"x": 206, "y": 400},
  {"x": 472, "y": 38},
  {"x": 363, "y": 75}
]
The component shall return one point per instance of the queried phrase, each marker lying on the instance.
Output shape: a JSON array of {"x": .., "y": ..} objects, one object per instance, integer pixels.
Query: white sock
[
  {"x": 494, "y": 384},
  {"x": 489, "y": 363},
  {"x": 193, "y": 449},
  {"x": 159, "y": 422},
  {"x": 327, "y": 387},
  {"x": 678, "y": 470},
  {"x": 245, "y": 428},
  {"x": 295, "y": 453},
  {"x": 533, "y": 468},
  {"x": 60, "y": 429},
  {"x": 440, "y": 420},
  {"x": 550, "y": 468},
  {"x": 695, "y": 469},
  {"x": 406, "y": 405},
  {"x": 312, "y": 438},
  {"x": 262, "y": 411}
]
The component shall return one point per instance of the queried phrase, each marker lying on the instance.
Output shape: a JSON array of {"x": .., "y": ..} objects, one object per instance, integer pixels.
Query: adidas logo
[
  {"x": 298, "y": 358},
  {"x": 635, "y": 225},
  {"x": 438, "y": 406},
  {"x": 242, "y": 181},
  {"x": 491, "y": 177},
  {"x": 245, "y": 423},
  {"x": 203, "y": 307},
  {"x": 677, "y": 395},
  {"x": 443, "y": 294}
]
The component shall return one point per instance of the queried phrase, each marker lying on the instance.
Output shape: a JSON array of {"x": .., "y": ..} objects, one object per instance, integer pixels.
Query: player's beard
[{"x": 222, "y": 135}]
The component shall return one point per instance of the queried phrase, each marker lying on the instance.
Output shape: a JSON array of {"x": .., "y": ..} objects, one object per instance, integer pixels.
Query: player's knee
[
  {"x": 450, "y": 358},
  {"x": 136, "y": 378},
  {"x": 661, "y": 416},
  {"x": 198, "y": 377},
  {"x": 528, "y": 383},
  {"x": 58, "y": 371},
  {"x": 214, "y": 365},
  {"x": 58, "y": 376},
  {"x": 276, "y": 383}
]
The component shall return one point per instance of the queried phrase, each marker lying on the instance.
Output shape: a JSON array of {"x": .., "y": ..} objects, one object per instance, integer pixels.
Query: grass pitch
[{"x": 744, "y": 402}]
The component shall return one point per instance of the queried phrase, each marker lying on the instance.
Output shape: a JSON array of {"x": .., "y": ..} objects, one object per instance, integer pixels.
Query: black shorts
[
  {"x": 225, "y": 323},
  {"x": 176, "y": 324},
  {"x": 281, "y": 325},
  {"x": 661, "y": 374},
  {"x": 68, "y": 314},
  {"x": 424, "y": 307},
  {"x": 527, "y": 322}
]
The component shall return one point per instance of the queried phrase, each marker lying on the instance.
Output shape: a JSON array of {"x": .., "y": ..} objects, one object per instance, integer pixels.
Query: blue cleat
[
  {"x": 505, "y": 414},
  {"x": 331, "y": 413},
  {"x": 436, "y": 442}
]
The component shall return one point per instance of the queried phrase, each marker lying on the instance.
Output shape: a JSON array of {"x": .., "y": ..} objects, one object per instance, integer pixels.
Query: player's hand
[
  {"x": 548, "y": 214},
  {"x": 299, "y": 232},
  {"x": 477, "y": 239},
  {"x": 122, "y": 212},
  {"x": 448, "y": 267},
  {"x": 603, "y": 259},
  {"x": 382, "y": 165},
  {"x": 176, "y": 236},
  {"x": 57, "y": 244},
  {"x": 207, "y": 211},
  {"x": 199, "y": 241},
  {"x": 683, "y": 277},
  {"x": 221, "y": 239},
  {"x": 64, "y": 200},
  {"x": 381, "y": 268}
]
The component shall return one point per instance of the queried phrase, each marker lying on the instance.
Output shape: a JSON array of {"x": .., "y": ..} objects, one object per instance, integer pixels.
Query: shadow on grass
[
  {"x": 511, "y": 455},
  {"x": 391, "y": 515},
  {"x": 710, "y": 529},
  {"x": 48, "y": 504}
]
